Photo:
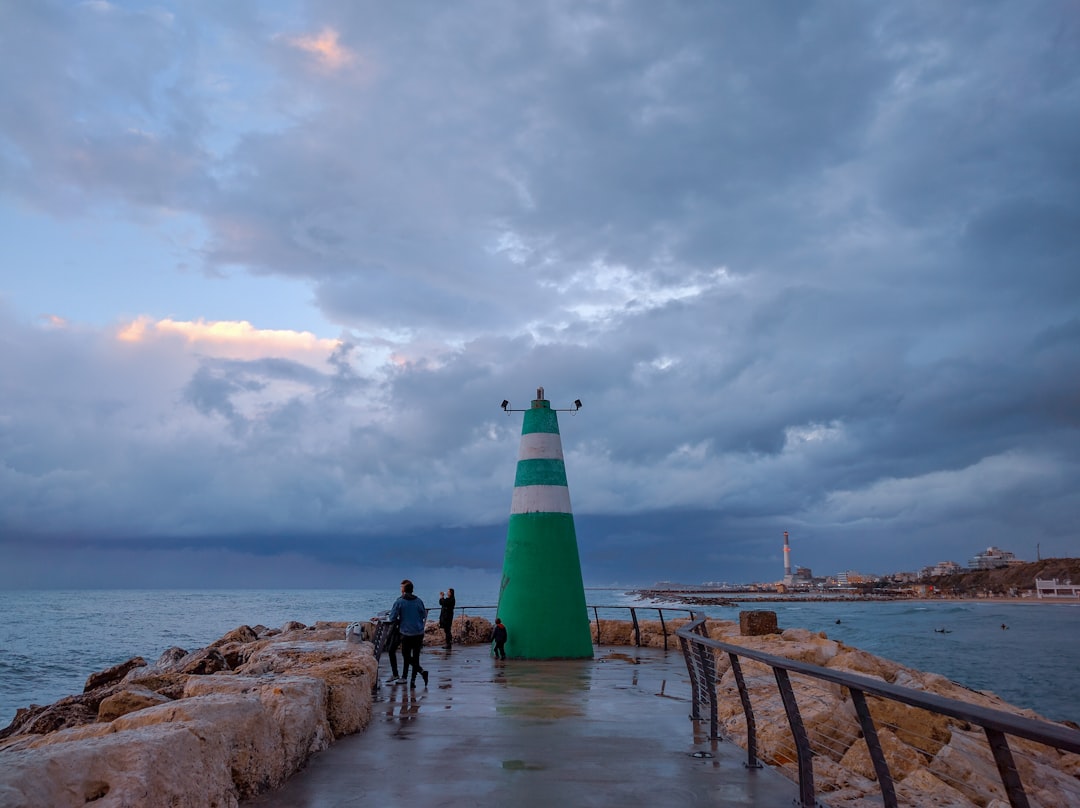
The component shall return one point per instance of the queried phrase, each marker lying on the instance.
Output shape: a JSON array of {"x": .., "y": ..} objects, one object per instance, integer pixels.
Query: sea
[{"x": 1028, "y": 653}]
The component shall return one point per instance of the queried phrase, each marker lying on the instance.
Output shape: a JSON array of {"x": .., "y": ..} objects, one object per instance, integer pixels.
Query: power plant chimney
[{"x": 787, "y": 558}]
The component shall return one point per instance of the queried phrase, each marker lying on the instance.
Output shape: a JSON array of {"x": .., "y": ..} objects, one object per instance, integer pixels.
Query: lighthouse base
[{"x": 542, "y": 597}]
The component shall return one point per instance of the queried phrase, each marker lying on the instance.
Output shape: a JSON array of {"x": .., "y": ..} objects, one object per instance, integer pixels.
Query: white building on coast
[{"x": 1055, "y": 589}]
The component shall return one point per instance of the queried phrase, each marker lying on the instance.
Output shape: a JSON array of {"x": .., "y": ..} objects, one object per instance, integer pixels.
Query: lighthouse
[{"x": 542, "y": 595}]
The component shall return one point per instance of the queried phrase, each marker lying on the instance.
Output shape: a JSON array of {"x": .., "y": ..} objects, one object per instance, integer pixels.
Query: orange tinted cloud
[
  {"x": 325, "y": 48},
  {"x": 237, "y": 339}
]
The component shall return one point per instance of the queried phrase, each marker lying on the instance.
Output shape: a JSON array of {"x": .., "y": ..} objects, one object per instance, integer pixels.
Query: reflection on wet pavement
[{"x": 614, "y": 730}]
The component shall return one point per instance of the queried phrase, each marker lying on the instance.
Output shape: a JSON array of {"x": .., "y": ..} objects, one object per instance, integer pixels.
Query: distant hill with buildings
[{"x": 1013, "y": 578}]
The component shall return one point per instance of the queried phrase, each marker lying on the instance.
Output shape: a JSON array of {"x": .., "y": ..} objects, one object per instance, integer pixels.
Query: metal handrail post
[
  {"x": 802, "y": 741},
  {"x": 1010, "y": 778},
  {"x": 751, "y": 725},
  {"x": 873, "y": 744},
  {"x": 708, "y": 673},
  {"x": 695, "y": 688}
]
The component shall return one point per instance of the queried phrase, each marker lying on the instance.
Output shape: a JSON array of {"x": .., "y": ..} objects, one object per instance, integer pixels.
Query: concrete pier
[{"x": 612, "y": 730}]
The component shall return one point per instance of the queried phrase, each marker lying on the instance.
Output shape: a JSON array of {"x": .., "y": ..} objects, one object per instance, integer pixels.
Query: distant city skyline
[{"x": 800, "y": 571}]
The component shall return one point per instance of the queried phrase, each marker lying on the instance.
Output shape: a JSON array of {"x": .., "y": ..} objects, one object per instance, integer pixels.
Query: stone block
[{"x": 756, "y": 623}]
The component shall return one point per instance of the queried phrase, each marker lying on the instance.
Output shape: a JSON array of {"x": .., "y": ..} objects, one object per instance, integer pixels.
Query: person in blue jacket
[{"x": 411, "y": 616}]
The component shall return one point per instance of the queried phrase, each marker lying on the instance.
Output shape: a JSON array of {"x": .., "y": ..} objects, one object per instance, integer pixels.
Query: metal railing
[
  {"x": 683, "y": 612},
  {"x": 687, "y": 613},
  {"x": 703, "y": 654}
]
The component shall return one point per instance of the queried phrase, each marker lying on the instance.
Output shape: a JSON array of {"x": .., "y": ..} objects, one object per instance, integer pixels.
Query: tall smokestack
[{"x": 787, "y": 557}]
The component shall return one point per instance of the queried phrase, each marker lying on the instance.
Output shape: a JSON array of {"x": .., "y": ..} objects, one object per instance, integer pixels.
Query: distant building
[
  {"x": 941, "y": 568},
  {"x": 1056, "y": 589},
  {"x": 991, "y": 559},
  {"x": 802, "y": 578}
]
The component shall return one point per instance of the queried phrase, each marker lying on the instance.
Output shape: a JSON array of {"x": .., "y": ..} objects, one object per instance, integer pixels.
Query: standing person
[
  {"x": 498, "y": 636},
  {"x": 411, "y": 614},
  {"x": 393, "y": 642},
  {"x": 446, "y": 615}
]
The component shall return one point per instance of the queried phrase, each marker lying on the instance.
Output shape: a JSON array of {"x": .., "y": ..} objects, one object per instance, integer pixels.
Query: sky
[{"x": 267, "y": 271}]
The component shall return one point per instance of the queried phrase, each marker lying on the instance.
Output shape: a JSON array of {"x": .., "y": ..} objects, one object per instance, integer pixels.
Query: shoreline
[
  {"x": 1031, "y": 600},
  {"x": 700, "y": 597}
]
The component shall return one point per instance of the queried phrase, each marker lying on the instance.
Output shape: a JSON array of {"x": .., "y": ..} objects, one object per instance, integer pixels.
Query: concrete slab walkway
[{"x": 614, "y": 730}]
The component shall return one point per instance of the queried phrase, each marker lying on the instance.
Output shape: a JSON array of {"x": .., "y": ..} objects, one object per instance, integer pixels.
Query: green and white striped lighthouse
[{"x": 542, "y": 596}]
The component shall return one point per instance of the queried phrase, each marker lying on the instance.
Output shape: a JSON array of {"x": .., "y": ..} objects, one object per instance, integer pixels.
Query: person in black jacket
[
  {"x": 446, "y": 616},
  {"x": 498, "y": 637},
  {"x": 393, "y": 642}
]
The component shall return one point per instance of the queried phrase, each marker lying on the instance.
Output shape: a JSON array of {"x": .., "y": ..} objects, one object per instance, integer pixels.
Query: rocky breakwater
[
  {"x": 934, "y": 759},
  {"x": 203, "y": 729}
]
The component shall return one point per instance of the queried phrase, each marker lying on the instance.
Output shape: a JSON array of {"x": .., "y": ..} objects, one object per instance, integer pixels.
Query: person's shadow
[
  {"x": 410, "y": 705},
  {"x": 402, "y": 707}
]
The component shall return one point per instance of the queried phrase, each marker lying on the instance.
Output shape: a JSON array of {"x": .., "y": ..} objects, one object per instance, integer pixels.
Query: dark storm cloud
[{"x": 809, "y": 268}]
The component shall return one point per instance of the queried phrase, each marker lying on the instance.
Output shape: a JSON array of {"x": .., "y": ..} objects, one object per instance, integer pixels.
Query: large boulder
[
  {"x": 188, "y": 731},
  {"x": 165, "y": 683},
  {"x": 128, "y": 700},
  {"x": 178, "y": 764},
  {"x": 169, "y": 658},
  {"x": 465, "y": 630},
  {"x": 71, "y": 711},
  {"x": 346, "y": 669},
  {"x": 615, "y": 632},
  {"x": 240, "y": 634},
  {"x": 902, "y": 758},
  {"x": 113, "y": 674},
  {"x": 201, "y": 662},
  {"x": 289, "y": 725}
]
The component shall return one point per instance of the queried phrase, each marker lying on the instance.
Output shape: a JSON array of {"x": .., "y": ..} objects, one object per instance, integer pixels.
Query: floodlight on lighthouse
[{"x": 540, "y": 392}]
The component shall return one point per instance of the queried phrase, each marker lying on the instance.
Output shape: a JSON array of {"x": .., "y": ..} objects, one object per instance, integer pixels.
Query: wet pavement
[{"x": 613, "y": 730}]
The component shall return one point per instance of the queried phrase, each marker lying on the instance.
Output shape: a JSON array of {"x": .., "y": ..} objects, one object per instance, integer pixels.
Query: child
[{"x": 498, "y": 636}]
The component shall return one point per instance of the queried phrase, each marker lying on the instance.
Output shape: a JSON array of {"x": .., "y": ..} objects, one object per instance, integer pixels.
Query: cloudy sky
[{"x": 268, "y": 269}]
